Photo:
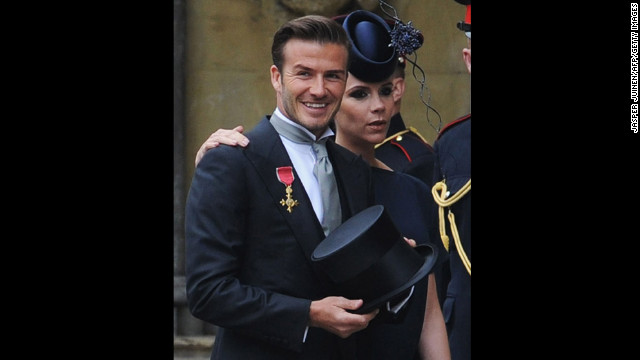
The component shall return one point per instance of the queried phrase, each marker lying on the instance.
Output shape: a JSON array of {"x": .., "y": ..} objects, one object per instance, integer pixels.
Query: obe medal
[{"x": 285, "y": 176}]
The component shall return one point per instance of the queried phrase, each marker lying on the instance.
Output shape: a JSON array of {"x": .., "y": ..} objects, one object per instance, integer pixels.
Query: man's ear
[
  {"x": 466, "y": 57},
  {"x": 398, "y": 88},
  {"x": 275, "y": 78}
]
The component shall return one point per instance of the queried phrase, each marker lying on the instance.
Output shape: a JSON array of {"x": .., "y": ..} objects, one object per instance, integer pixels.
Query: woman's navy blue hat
[{"x": 372, "y": 57}]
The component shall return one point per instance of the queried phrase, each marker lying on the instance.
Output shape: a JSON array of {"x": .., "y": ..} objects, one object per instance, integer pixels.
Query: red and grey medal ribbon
[{"x": 285, "y": 176}]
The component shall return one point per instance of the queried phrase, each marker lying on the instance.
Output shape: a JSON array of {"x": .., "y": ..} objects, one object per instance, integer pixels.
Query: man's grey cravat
[
  {"x": 323, "y": 171},
  {"x": 330, "y": 198}
]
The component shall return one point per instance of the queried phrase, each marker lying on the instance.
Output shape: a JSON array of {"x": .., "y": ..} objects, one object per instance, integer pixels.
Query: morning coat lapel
[
  {"x": 353, "y": 177},
  {"x": 267, "y": 153}
]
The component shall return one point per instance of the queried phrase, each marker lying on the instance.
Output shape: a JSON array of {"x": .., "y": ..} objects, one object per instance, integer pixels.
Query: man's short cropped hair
[{"x": 311, "y": 27}]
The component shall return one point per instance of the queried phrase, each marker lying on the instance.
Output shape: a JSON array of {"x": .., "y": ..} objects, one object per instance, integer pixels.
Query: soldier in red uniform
[{"x": 452, "y": 192}]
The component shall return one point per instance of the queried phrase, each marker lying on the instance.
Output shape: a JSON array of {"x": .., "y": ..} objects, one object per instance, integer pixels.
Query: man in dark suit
[{"x": 254, "y": 214}]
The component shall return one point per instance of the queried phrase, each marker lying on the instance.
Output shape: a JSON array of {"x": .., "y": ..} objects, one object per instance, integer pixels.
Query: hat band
[
  {"x": 343, "y": 262},
  {"x": 464, "y": 26},
  {"x": 393, "y": 270}
]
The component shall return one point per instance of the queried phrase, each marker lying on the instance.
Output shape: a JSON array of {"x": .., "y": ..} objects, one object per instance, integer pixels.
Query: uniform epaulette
[
  {"x": 415, "y": 131},
  {"x": 398, "y": 136},
  {"x": 453, "y": 123}
]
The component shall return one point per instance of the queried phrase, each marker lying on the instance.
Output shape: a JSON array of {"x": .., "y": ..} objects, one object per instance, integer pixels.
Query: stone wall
[{"x": 228, "y": 58}]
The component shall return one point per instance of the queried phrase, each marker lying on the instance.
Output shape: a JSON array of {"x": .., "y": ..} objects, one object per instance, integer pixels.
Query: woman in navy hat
[
  {"x": 418, "y": 331},
  {"x": 413, "y": 326}
]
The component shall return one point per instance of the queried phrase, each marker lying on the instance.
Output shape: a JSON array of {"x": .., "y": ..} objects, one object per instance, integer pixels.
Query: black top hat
[
  {"x": 372, "y": 59},
  {"x": 367, "y": 258}
]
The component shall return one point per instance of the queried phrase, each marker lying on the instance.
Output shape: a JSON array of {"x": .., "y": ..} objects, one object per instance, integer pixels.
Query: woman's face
[{"x": 363, "y": 118}]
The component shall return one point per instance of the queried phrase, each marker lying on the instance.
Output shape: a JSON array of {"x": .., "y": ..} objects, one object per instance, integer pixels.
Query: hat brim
[{"x": 429, "y": 262}]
